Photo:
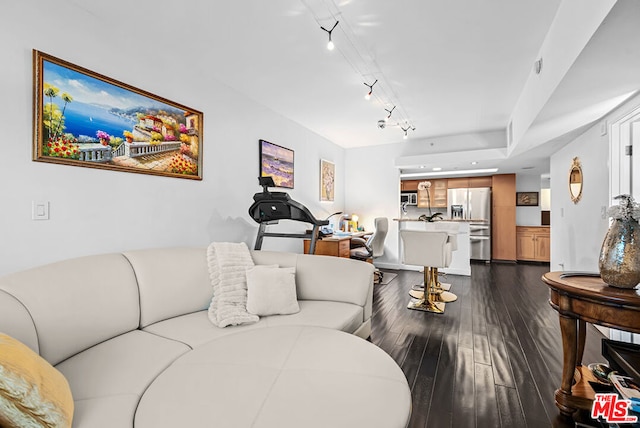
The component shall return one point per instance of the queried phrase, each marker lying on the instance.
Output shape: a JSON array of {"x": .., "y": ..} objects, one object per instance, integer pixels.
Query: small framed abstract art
[
  {"x": 527, "y": 199},
  {"x": 327, "y": 180},
  {"x": 277, "y": 162}
]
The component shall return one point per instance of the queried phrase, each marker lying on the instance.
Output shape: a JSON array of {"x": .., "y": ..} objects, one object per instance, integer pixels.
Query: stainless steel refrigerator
[{"x": 474, "y": 205}]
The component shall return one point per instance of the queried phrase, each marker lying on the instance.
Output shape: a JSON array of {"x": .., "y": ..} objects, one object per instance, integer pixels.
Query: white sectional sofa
[{"x": 113, "y": 323}]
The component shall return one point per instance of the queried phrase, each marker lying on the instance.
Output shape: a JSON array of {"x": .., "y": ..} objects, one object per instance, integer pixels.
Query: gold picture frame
[{"x": 82, "y": 118}]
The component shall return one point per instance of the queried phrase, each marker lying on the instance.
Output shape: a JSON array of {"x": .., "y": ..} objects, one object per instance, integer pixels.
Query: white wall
[
  {"x": 528, "y": 216},
  {"x": 577, "y": 230},
  {"x": 94, "y": 211},
  {"x": 373, "y": 190}
]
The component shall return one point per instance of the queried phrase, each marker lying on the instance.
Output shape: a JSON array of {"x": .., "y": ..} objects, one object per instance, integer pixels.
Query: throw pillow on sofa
[
  {"x": 32, "y": 391},
  {"x": 271, "y": 291}
]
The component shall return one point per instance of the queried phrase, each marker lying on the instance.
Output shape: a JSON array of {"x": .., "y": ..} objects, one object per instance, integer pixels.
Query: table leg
[
  {"x": 582, "y": 333},
  {"x": 568, "y": 326}
]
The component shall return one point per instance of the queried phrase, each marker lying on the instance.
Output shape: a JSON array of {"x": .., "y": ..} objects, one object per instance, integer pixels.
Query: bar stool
[
  {"x": 452, "y": 229},
  {"x": 431, "y": 249}
]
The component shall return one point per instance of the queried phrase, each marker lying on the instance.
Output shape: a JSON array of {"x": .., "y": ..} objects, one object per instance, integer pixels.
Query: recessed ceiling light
[
  {"x": 437, "y": 168},
  {"x": 474, "y": 163},
  {"x": 421, "y": 166}
]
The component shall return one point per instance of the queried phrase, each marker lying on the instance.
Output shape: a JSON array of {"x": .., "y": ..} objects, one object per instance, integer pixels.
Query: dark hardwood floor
[{"x": 493, "y": 359}]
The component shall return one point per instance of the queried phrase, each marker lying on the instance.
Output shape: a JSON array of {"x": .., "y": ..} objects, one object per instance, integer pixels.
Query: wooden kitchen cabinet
[
  {"x": 533, "y": 243},
  {"x": 458, "y": 183},
  {"x": 480, "y": 182},
  {"x": 439, "y": 193},
  {"x": 409, "y": 185},
  {"x": 503, "y": 227},
  {"x": 436, "y": 196}
]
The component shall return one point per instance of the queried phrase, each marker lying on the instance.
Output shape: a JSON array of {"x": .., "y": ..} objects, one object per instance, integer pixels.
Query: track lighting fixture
[
  {"x": 370, "y": 86},
  {"x": 361, "y": 60},
  {"x": 330, "y": 45},
  {"x": 405, "y": 136},
  {"x": 390, "y": 111}
]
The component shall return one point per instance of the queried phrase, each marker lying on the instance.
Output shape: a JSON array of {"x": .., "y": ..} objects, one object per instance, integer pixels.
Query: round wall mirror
[{"x": 575, "y": 180}]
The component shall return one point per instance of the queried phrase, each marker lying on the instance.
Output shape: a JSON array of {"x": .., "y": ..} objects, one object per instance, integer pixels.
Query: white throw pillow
[{"x": 271, "y": 291}]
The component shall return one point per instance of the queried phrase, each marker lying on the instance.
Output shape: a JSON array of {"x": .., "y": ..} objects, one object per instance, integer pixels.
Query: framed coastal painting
[
  {"x": 327, "y": 180},
  {"x": 83, "y": 118},
  {"x": 527, "y": 199},
  {"x": 276, "y": 162}
]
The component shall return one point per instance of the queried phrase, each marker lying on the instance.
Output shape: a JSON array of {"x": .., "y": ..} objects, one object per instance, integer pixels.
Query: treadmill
[{"x": 269, "y": 208}]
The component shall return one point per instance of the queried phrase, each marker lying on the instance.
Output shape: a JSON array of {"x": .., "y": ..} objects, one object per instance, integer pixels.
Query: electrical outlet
[{"x": 40, "y": 210}]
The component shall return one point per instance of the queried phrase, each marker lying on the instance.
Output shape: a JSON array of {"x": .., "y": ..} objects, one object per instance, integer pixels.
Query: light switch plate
[{"x": 40, "y": 210}]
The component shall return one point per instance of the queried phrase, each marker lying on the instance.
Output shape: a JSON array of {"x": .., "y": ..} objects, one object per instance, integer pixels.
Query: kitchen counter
[{"x": 460, "y": 220}]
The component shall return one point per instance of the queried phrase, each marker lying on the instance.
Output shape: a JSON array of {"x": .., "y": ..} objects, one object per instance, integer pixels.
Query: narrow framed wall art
[{"x": 327, "y": 180}]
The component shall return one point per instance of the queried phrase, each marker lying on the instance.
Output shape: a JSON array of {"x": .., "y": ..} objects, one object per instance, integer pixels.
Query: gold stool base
[
  {"x": 445, "y": 286},
  {"x": 444, "y": 296},
  {"x": 426, "y": 306}
]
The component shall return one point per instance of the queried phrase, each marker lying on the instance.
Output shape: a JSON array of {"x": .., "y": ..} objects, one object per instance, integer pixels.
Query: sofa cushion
[
  {"x": 334, "y": 315},
  {"x": 271, "y": 291},
  {"x": 196, "y": 329},
  {"x": 16, "y": 321},
  {"x": 280, "y": 377},
  {"x": 32, "y": 391},
  {"x": 106, "y": 412},
  {"x": 72, "y": 303},
  {"x": 172, "y": 281},
  {"x": 324, "y": 277},
  {"x": 126, "y": 364}
]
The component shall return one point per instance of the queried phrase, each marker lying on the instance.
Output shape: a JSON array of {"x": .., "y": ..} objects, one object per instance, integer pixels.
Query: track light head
[
  {"x": 368, "y": 96},
  {"x": 330, "y": 45},
  {"x": 390, "y": 112},
  {"x": 406, "y": 131}
]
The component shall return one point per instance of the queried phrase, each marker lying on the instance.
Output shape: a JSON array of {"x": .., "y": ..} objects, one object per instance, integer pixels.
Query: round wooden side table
[{"x": 580, "y": 298}]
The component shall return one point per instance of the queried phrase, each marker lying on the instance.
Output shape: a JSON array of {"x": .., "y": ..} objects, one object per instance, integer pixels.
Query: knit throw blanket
[{"x": 228, "y": 262}]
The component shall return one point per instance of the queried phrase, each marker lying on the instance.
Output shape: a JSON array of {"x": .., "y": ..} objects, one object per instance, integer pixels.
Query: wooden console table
[{"x": 580, "y": 298}]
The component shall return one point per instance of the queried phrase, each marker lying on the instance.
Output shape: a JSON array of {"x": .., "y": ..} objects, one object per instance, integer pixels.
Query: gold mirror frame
[{"x": 575, "y": 180}]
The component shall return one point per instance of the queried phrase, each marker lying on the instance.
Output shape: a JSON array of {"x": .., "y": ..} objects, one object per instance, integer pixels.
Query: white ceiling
[{"x": 450, "y": 66}]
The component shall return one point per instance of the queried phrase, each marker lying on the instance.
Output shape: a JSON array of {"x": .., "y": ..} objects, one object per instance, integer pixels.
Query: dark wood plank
[
  {"x": 511, "y": 414},
  {"x": 494, "y": 357},
  {"x": 464, "y": 390},
  {"x": 486, "y": 403}
]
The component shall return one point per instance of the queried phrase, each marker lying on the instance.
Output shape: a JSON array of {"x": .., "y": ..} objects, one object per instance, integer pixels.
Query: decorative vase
[{"x": 619, "y": 261}]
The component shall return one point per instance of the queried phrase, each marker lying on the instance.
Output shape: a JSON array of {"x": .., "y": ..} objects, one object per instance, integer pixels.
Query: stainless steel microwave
[{"x": 409, "y": 198}]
